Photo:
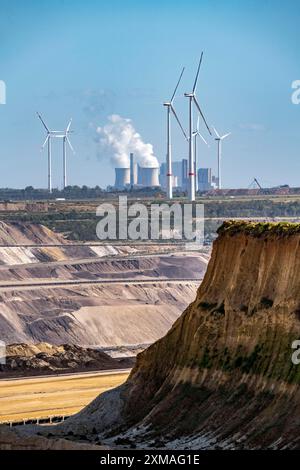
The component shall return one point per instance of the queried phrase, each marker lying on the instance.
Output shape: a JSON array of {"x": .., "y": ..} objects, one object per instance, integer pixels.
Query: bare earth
[
  {"x": 111, "y": 297},
  {"x": 117, "y": 298},
  {"x": 42, "y": 397}
]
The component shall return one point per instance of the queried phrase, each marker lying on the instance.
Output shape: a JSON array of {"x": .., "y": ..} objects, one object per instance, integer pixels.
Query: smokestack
[
  {"x": 122, "y": 178},
  {"x": 131, "y": 171}
]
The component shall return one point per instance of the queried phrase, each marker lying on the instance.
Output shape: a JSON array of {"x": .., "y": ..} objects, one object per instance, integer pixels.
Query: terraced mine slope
[
  {"x": 223, "y": 375},
  {"x": 118, "y": 298},
  {"x": 18, "y": 233},
  {"x": 105, "y": 316}
]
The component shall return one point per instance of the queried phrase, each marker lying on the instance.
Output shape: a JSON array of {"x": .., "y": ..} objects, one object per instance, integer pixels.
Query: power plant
[
  {"x": 184, "y": 175},
  {"x": 142, "y": 169},
  {"x": 136, "y": 176}
]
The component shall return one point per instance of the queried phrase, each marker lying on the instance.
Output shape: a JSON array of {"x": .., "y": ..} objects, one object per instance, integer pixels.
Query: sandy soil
[
  {"x": 52, "y": 396},
  {"x": 17, "y": 233},
  {"x": 93, "y": 315}
]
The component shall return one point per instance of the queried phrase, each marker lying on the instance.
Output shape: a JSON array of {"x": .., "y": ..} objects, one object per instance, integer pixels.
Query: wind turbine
[
  {"x": 219, "y": 140},
  {"x": 197, "y": 134},
  {"x": 171, "y": 109},
  {"x": 65, "y": 141},
  {"x": 193, "y": 99},
  {"x": 60, "y": 135},
  {"x": 48, "y": 140}
]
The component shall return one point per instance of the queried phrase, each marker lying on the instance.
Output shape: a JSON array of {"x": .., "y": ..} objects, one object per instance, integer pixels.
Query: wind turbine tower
[
  {"x": 197, "y": 134},
  {"x": 171, "y": 109},
  {"x": 66, "y": 141},
  {"x": 48, "y": 141},
  {"x": 219, "y": 139},
  {"x": 193, "y": 100}
]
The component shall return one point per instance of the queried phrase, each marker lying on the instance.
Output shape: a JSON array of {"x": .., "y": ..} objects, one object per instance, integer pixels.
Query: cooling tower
[
  {"x": 122, "y": 177},
  {"x": 148, "y": 177}
]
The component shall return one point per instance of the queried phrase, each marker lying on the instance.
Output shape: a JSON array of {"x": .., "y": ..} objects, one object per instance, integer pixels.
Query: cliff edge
[{"x": 223, "y": 376}]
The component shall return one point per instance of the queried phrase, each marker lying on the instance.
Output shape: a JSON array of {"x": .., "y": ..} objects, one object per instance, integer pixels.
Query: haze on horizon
[{"x": 89, "y": 60}]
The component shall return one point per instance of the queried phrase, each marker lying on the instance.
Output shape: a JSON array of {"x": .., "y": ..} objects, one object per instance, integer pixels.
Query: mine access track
[{"x": 63, "y": 283}]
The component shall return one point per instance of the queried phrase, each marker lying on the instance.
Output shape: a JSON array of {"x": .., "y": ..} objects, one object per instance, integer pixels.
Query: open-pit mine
[
  {"x": 69, "y": 307},
  {"x": 110, "y": 297},
  {"x": 223, "y": 375}
]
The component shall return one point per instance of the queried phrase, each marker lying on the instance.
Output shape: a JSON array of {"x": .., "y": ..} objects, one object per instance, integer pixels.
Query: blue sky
[{"x": 88, "y": 59}]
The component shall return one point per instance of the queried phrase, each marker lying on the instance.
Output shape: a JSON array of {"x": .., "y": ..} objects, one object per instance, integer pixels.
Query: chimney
[{"x": 131, "y": 171}]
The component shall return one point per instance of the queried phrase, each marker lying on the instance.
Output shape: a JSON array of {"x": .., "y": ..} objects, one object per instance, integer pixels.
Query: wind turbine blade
[
  {"x": 179, "y": 80},
  {"x": 225, "y": 135},
  {"x": 47, "y": 138},
  {"x": 199, "y": 109},
  {"x": 201, "y": 137},
  {"x": 197, "y": 74},
  {"x": 41, "y": 119},
  {"x": 217, "y": 134},
  {"x": 70, "y": 145},
  {"x": 179, "y": 123},
  {"x": 69, "y": 125},
  {"x": 198, "y": 123}
]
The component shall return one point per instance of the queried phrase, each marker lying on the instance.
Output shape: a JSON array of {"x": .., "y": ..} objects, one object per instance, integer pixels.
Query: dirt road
[{"x": 63, "y": 282}]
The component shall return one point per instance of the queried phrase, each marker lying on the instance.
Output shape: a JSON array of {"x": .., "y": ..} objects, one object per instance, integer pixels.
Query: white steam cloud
[{"x": 118, "y": 138}]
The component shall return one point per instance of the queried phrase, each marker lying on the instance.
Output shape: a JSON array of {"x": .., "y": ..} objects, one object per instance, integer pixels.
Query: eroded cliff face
[{"x": 223, "y": 375}]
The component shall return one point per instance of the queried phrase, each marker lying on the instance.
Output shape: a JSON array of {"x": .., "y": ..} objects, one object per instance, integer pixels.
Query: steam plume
[{"x": 119, "y": 138}]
